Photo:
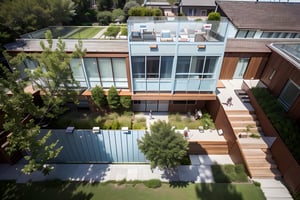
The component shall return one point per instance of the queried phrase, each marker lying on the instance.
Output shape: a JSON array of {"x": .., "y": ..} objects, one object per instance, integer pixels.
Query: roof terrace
[{"x": 176, "y": 29}]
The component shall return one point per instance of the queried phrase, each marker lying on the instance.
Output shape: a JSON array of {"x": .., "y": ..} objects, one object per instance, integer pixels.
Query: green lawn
[
  {"x": 86, "y": 191},
  {"x": 85, "y": 32}
]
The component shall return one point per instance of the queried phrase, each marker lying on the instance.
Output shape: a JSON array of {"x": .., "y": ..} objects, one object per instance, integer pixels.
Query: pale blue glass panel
[
  {"x": 193, "y": 85},
  {"x": 139, "y": 85},
  {"x": 208, "y": 85},
  {"x": 165, "y": 85},
  {"x": 181, "y": 84}
]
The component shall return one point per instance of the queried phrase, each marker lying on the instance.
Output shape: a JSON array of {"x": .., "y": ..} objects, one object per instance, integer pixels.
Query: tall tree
[
  {"x": 17, "y": 105},
  {"x": 163, "y": 147},
  {"x": 52, "y": 76},
  {"x": 113, "y": 98},
  {"x": 99, "y": 97},
  {"x": 105, "y": 5}
]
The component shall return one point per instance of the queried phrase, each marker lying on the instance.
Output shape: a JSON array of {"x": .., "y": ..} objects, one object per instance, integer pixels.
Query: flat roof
[
  {"x": 92, "y": 46},
  {"x": 290, "y": 51},
  {"x": 265, "y": 16}
]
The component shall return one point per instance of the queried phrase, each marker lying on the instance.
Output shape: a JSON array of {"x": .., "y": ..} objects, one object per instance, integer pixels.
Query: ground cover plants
[
  {"x": 287, "y": 128},
  {"x": 181, "y": 121}
]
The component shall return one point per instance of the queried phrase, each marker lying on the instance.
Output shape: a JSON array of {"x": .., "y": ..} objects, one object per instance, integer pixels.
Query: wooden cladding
[{"x": 254, "y": 69}]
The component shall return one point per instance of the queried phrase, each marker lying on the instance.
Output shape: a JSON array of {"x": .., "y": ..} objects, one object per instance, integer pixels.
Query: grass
[
  {"x": 111, "y": 191},
  {"x": 85, "y": 119},
  {"x": 85, "y": 32},
  {"x": 182, "y": 121},
  {"x": 229, "y": 173}
]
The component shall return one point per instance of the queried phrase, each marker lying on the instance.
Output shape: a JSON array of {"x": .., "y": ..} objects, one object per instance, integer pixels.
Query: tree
[
  {"x": 104, "y": 17},
  {"x": 125, "y": 102},
  {"x": 99, "y": 97},
  {"x": 53, "y": 76},
  {"x": 128, "y": 5},
  {"x": 214, "y": 16},
  {"x": 84, "y": 12},
  {"x": 17, "y": 105},
  {"x": 118, "y": 14},
  {"x": 113, "y": 98},
  {"x": 21, "y": 16},
  {"x": 104, "y": 5},
  {"x": 163, "y": 146}
]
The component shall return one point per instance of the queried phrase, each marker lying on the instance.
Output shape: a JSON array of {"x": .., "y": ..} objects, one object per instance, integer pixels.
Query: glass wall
[
  {"x": 105, "y": 72},
  {"x": 191, "y": 73}
]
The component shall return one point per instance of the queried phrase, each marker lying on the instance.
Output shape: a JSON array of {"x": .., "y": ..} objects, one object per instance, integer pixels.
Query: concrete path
[
  {"x": 198, "y": 172},
  {"x": 274, "y": 189},
  {"x": 100, "y": 33}
]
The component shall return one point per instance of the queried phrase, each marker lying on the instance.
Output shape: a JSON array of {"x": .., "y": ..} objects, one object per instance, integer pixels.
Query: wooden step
[
  {"x": 255, "y": 153},
  {"x": 245, "y": 123},
  {"x": 239, "y": 112},
  {"x": 257, "y": 163},
  {"x": 239, "y": 129},
  {"x": 246, "y": 117},
  {"x": 265, "y": 173}
]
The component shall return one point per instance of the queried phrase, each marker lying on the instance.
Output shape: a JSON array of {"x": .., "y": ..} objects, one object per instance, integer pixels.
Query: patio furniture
[{"x": 70, "y": 129}]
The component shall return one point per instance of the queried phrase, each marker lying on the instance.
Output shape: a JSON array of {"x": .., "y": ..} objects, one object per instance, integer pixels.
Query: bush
[
  {"x": 124, "y": 31},
  {"x": 112, "y": 31},
  {"x": 153, "y": 183},
  {"x": 139, "y": 124},
  {"x": 214, "y": 16},
  {"x": 256, "y": 183}
]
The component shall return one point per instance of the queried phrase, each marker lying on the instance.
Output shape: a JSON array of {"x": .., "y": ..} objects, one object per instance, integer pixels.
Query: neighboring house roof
[
  {"x": 262, "y": 15},
  {"x": 92, "y": 46},
  {"x": 198, "y": 3},
  {"x": 290, "y": 51},
  {"x": 253, "y": 45}
]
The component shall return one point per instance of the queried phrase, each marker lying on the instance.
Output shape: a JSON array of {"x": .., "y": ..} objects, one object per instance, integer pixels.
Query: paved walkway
[{"x": 198, "y": 172}]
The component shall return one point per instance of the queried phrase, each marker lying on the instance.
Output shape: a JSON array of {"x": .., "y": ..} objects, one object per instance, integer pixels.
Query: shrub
[
  {"x": 287, "y": 128},
  {"x": 124, "y": 31},
  {"x": 214, "y": 16},
  {"x": 153, "y": 183},
  {"x": 112, "y": 31},
  {"x": 256, "y": 183}
]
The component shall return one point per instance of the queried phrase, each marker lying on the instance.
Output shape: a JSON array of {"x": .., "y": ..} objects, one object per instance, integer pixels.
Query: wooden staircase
[
  {"x": 255, "y": 150},
  {"x": 208, "y": 147},
  {"x": 258, "y": 158}
]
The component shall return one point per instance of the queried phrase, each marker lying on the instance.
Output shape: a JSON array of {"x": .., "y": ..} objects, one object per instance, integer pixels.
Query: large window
[
  {"x": 210, "y": 66},
  {"x": 91, "y": 68},
  {"x": 289, "y": 94},
  {"x": 183, "y": 66},
  {"x": 138, "y": 66},
  {"x": 119, "y": 70},
  {"x": 105, "y": 72},
  {"x": 77, "y": 70},
  {"x": 152, "y": 66},
  {"x": 166, "y": 66}
]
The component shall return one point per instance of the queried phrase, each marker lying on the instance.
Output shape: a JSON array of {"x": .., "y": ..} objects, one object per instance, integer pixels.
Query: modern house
[
  {"x": 249, "y": 54},
  {"x": 197, "y": 7},
  {"x": 176, "y": 64}
]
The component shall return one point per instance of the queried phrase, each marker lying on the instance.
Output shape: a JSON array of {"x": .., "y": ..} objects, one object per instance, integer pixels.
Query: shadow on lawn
[
  {"x": 207, "y": 191},
  {"x": 178, "y": 184},
  {"x": 44, "y": 190}
]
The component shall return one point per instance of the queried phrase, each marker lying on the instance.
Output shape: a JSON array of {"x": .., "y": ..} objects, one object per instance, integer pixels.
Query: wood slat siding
[
  {"x": 254, "y": 69},
  {"x": 208, "y": 147},
  {"x": 221, "y": 121},
  {"x": 286, "y": 163},
  {"x": 284, "y": 71}
]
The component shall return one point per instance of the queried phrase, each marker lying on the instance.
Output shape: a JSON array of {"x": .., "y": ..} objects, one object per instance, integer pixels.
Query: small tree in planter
[
  {"x": 113, "y": 98},
  {"x": 99, "y": 97}
]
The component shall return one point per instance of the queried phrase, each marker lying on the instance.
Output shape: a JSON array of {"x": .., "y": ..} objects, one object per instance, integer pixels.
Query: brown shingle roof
[{"x": 262, "y": 15}]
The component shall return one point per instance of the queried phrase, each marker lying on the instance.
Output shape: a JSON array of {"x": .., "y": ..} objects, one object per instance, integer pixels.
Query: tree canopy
[
  {"x": 99, "y": 97},
  {"x": 23, "y": 16},
  {"x": 113, "y": 98},
  {"x": 17, "y": 105},
  {"x": 53, "y": 78},
  {"x": 163, "y": 147},
  {"x": 52, "y": 75}
]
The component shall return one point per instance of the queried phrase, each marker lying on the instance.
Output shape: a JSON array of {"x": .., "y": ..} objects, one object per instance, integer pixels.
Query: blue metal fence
[{"x": 107, "y": 146}]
